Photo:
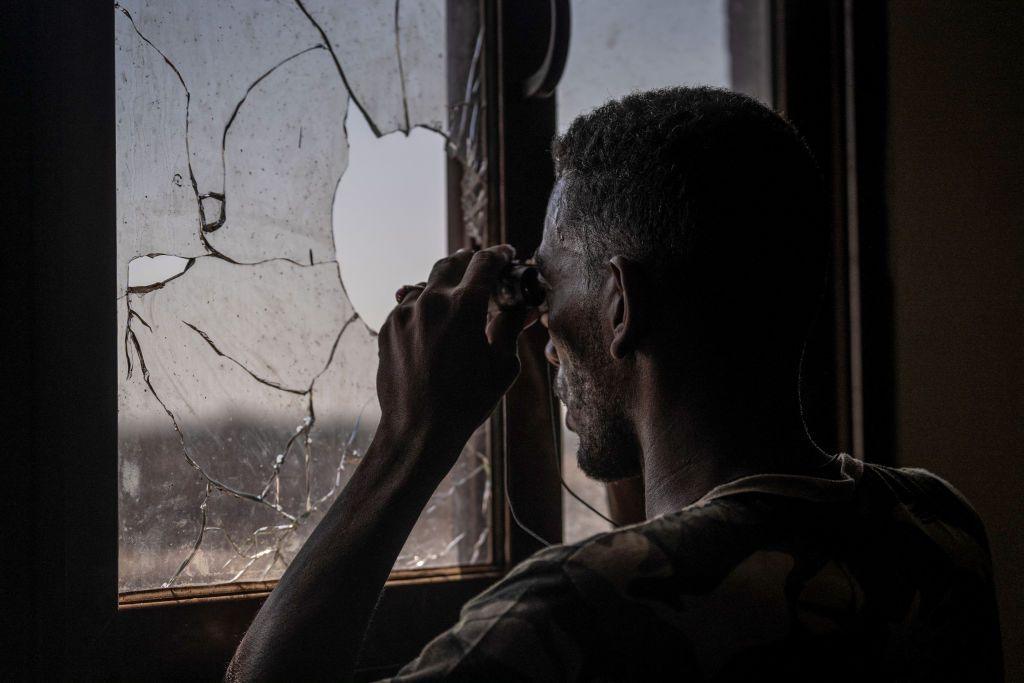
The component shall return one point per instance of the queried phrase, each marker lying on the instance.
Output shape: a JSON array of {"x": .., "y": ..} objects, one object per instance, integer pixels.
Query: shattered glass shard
[
  {"x": 422, "y": 60},
  {"x": 284, "y": 152},
  {"x": 211, "y": 211},
  {"x": 246, "y": 390},
  {"x": 210, "y": 309},
  {"x": 156, "y": 206},
  {"x": 219, "y": 49},
  {"x": 361, "y": 36}
]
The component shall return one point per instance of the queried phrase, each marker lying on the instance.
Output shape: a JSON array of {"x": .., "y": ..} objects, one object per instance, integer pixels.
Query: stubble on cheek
[
  {"x": 607, "y": 450},
  {"x": 569, "y": 386}
]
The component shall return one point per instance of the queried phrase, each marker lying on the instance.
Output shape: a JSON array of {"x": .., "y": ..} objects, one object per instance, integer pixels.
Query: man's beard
[{"x": 608, "y": 449}]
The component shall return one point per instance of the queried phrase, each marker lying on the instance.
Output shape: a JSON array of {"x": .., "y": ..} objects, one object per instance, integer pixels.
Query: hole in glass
[
  {"x": 156, "y": 269},
  {"x": 389, "y": 214}
]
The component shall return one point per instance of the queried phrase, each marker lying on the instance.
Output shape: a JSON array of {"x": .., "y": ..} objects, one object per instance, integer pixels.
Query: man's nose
[{"x": 551, "y": 353}]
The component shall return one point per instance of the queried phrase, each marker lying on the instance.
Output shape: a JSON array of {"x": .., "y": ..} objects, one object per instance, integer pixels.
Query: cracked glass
[{"x": 281, "y": 170}]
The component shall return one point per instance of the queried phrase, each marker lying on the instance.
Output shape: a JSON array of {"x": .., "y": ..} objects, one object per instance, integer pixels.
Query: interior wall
[{"x": 956, "y": 197}]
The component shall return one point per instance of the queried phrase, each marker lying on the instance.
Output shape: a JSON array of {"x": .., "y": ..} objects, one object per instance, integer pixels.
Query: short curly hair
[{"x": 698, "y": 183}]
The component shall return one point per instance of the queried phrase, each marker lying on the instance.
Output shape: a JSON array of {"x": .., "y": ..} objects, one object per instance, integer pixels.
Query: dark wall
[{"x": 956, "y": 197}]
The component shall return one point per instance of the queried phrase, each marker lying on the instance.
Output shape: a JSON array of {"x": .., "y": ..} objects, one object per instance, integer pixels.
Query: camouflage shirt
[{"x": 871, "y": 573}]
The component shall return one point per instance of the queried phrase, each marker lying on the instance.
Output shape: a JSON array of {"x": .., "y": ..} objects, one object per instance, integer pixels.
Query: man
[{"x": 683, "y": 260}]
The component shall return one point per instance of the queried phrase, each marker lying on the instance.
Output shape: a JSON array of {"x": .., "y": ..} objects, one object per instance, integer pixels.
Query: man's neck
[
  {"x": 692, "y": 444},
  {"x": 680, "y": 465}
]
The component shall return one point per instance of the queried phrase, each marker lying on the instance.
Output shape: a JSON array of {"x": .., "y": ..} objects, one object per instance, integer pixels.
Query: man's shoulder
[
  {"x": 702, "y": 544},
  {"x": 741, "y": 582},
  {"x": 686, "y": 545},
  {"x": 751, "y": 543},
  {"x": 578, "y": 596},
  {"x": 558, "y": 575},
  {"x": 929, "y": 499},
  {"x": 686, "y": 552}
]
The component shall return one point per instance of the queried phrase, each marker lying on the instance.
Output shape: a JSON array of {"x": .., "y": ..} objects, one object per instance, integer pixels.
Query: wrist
[{"x": 417, "y": 453}]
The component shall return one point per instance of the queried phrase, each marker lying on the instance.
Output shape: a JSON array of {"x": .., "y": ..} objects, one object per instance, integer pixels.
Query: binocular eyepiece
[{"x": 519, "y": 286}]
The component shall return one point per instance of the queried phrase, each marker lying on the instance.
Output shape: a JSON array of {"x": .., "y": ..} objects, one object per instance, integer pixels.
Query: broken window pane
[{"x": 280, "y": 172}]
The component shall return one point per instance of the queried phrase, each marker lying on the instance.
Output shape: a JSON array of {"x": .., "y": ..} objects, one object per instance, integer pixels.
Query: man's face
[{"x": 589, "y": 381}]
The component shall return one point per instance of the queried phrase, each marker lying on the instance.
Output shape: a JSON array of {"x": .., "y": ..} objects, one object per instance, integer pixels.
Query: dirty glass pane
[
  {"x": 280, "y": 172},
  {"x": 617, "y": 48}
]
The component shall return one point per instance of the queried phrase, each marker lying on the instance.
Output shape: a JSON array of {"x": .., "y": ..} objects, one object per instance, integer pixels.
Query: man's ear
[{"x": 628, "y": 308}]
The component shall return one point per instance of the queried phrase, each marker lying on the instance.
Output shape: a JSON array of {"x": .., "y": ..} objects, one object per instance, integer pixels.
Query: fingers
[
  {"x": 487, "y": 264},
  {"x": 406, "y": 291},
  {"x": 474, "y": 274},
  {"x": 482, "y": 273},
  {"x": 448, "y": 271}
]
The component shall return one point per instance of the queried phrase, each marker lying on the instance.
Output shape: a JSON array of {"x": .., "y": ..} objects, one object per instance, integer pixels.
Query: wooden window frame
[{"x": 60, "y": 317}]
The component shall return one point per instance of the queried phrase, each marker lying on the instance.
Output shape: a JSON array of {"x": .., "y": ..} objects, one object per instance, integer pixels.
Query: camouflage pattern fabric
[{"x": 871, "y": 573}]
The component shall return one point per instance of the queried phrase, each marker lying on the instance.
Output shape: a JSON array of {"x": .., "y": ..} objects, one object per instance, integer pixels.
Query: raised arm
[{"x": 443, "y": 368}]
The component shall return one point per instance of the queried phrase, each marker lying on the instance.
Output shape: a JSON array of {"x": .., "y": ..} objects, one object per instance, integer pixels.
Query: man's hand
[{"x": 444, "y": 361}]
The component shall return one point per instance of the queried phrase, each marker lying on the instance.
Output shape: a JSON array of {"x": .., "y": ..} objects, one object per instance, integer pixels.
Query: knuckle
[
  {"x": 444, "y": 263},
  {"x": 487, "y": 258},
  {"x": 438, "y": 268},
  {"x": 432, "y": 303}
]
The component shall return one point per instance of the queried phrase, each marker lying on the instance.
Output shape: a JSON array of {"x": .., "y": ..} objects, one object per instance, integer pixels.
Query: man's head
[{"x": 686, "y": 233}]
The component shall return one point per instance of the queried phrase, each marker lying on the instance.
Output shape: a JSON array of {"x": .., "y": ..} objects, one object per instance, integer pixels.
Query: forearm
[
  {"x": 312, "y": 624},
  {"x": 438, "y": 352}
]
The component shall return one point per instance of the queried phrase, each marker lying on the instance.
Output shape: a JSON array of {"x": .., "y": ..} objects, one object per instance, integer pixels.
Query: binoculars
[{"x": 519, "y": 286}]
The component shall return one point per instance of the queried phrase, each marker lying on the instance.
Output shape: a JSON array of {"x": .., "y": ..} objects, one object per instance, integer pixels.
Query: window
[
  {"x": 281, "y": 172},
  {"x": 282, "y": 168}
]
